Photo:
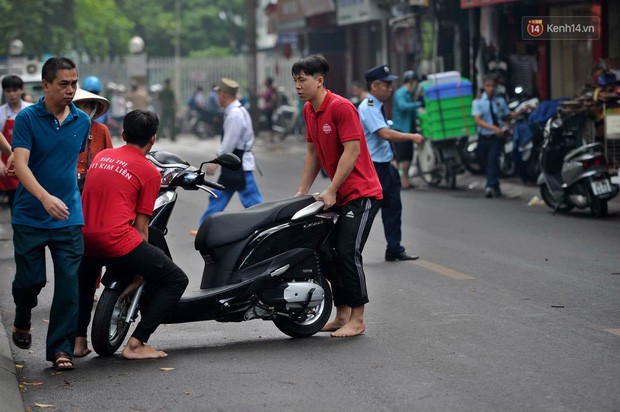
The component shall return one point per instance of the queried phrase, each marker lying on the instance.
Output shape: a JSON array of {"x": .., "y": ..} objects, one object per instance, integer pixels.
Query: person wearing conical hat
[{"x": 99, "y": 138}]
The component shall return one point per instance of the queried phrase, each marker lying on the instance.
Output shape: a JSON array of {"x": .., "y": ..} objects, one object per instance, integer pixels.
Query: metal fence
[{"x": 194, "y": 72}]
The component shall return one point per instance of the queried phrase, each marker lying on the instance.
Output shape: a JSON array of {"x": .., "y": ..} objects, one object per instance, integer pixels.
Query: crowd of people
[{"x": 61, "y": 173}]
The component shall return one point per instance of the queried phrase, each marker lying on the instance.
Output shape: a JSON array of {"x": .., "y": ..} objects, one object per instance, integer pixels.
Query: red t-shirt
[
  {"x": 121, "y": 183},
  {"x": 336, "y": 122}
]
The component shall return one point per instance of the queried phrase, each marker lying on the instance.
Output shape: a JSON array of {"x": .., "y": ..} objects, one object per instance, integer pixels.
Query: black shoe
[
  {"x": 400, "y": 256},
  {"x": 497, "y": 192},
  {"x": 488, "y": 193}
]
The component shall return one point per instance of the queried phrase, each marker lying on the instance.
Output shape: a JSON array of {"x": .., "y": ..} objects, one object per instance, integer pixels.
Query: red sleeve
[
  {"x": 347, "y": 122},
  {"x": 148, "y": 194},
  {"x": 306, "y": 112}
]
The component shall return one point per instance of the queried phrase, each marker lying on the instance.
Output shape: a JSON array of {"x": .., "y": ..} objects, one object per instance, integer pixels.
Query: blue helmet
[{"x": 92, "y": 84}]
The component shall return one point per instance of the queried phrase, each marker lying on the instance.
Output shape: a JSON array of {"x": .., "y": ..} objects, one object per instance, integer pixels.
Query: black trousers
[
  {"x": 165, "y": 281},
  {"x": 348, "y": 281},
  {"x": 391, "y": 207}
]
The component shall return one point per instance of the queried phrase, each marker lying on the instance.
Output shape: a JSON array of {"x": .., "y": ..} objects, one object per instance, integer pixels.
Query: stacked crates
[{"x": 448, "y": 108}]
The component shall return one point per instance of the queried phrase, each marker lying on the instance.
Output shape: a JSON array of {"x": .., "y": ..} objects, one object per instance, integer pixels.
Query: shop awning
[{"x": 468, "y": 4}]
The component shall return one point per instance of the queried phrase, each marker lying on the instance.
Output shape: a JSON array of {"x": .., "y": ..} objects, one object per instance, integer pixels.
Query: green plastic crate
[
  {"x": 451, "y": 128},
  {"x": 448, "y": 104}
]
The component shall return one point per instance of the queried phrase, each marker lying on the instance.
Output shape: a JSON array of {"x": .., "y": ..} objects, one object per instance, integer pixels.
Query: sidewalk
[{"x": 10, "y": 396}]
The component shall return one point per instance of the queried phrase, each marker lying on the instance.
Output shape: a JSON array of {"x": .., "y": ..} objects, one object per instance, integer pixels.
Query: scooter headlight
[{"x": 556, "y": 123}]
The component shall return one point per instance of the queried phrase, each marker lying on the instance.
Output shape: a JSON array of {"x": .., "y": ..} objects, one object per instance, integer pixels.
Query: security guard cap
[{"x": 380, "y": 73}]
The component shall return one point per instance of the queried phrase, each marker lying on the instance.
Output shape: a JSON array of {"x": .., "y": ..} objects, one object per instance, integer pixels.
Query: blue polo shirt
[
  {"x": 482, "y": 107},
  {"x": 372, "y": 121},
  {"x": 54, "y": 150}
]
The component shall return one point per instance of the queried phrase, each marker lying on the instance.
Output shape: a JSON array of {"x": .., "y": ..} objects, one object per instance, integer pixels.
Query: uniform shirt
[
  {"x": 372, "y": 121},
  {"x": 328, "y": 128},
  {"x": 6, "y": 113},
  {"x": 238, "y": 134},
  {"x": 404, "y": 111},
  {"x": 482, "y": 107},
  {"x": 121, "y": 183},
  {"x": 54, "y": 150}
]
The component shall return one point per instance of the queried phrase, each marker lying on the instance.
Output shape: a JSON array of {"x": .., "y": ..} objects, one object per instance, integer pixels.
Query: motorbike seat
[{"x": 224, "y": 228}]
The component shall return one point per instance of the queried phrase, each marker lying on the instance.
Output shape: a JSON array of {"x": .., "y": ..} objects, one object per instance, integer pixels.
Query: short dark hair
[
  {"x": 12, "y": 82},
  {"x": 53, "y": 65},
  {"x": 311, "y": 65},
  {"x": 489, "y": 77},
  {"x": 139, "y": 126}
]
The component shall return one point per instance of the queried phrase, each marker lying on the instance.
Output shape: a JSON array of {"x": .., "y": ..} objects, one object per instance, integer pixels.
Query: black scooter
[{"x": 267, "y": 262}]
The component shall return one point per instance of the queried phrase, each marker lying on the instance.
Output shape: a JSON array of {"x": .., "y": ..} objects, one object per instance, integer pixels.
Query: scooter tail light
[{"x": 595, "y": 161}]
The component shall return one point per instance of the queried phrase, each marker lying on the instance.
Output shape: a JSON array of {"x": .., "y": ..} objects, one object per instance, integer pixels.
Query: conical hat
[{"x": 102, "y": 103}]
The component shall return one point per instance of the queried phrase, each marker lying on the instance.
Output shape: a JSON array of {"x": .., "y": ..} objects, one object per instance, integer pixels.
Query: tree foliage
[{"x": 98, "y": 28}]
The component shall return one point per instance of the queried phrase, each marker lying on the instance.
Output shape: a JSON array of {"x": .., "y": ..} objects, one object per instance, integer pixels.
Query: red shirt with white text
[{"x": 121, "y": 183}]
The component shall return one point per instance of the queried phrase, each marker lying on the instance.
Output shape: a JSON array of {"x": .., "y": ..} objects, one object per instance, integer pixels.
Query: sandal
[
  {"x": 22, "y": 339},
  {"x": 62, "y": 358}
]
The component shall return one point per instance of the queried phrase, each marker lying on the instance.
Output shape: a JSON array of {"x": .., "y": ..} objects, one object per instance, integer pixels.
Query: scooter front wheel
[
  {"x": 110, "y": 327},
  {"x": 317, "y": 316}
]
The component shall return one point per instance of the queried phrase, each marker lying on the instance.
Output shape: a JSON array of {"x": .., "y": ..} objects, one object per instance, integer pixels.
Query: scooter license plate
[{"x": 601, "y": 187}]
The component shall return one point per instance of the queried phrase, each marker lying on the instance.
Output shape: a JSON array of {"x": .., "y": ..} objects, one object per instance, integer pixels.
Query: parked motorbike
[
  {"x": 285, "y": 121},
  {"x": 574, "y": 174},
  {"x": 267, "y": 262}
]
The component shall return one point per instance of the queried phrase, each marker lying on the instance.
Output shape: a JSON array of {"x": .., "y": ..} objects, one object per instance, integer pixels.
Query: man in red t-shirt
[
  {"x": 335, "y": 140},
  {"x": 118, "y": 200}
]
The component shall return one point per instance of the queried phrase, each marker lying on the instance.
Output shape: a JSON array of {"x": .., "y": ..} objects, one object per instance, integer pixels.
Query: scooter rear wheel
[
  {"x": 109, "y": 327},
  {"x": 314, "y": 323},
  {"x": 598, "y": 207}
]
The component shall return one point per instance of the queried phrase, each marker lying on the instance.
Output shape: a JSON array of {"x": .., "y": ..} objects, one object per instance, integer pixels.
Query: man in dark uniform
[{"x": 379, "y": 137}]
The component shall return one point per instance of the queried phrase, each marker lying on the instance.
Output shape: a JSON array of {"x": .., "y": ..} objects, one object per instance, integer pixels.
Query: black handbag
[{"x": 233, "y": 179}]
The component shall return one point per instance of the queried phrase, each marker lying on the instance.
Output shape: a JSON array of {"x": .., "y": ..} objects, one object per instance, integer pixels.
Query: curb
[{"x": 9, "y": 387}]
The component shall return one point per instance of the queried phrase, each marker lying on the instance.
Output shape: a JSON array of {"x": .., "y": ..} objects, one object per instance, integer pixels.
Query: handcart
[{"x": 445, "y": 120}]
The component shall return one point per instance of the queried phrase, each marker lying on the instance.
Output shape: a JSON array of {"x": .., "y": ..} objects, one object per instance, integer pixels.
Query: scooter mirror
[{"x": 228, "y": 160}]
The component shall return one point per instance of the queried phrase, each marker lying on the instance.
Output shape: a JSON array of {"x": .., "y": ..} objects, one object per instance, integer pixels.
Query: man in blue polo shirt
[
  {"x": 379, "y": 137},
  {"x": 47, "y": 139}
]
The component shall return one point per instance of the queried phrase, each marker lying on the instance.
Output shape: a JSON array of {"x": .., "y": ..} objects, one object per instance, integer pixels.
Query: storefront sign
[
  {"x": 290, "y": 15},
  {"x": 612, "y": 123},
  {"x": 468, "y": 4},
  {"x": 358, "y": 11},
  {"x": 316, "y": 7}
]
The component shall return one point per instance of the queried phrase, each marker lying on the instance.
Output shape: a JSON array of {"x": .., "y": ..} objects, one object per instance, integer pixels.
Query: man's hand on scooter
[{"x": 327, "y": 197}]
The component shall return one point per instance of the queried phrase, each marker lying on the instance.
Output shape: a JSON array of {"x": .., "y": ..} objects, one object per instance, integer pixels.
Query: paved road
[{"x": 510, "y": 308}]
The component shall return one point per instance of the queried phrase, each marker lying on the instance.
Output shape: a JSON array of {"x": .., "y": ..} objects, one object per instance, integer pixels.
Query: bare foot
[
  {"x": 343, "y": 314},
  {"x": 352, "y": 328},
  {"x": 81, "y": 347},
  {"x": 138, "y": 350}
]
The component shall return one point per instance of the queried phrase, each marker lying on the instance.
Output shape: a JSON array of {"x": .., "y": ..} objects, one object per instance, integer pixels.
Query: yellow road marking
[
  {"x": 613, "y": 331},
  {"x": 442, "y": 270}
]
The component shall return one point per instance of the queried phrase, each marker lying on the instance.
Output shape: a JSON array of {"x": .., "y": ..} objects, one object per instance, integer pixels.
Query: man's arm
[
  {"x": 481, "y": 123},
  {"x": 54, "y": 206},
  {"x": 312, "y": 166},
  {"x": 142, "y": 225},
  {"x": 395, "y": 136},
  {"x": 345, "y": 166},
  {"x": 5, "y": 147},
  {"x": 404, "y": 102}
]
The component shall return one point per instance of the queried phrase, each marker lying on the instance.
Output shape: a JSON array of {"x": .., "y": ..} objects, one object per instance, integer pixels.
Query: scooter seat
[{"x": 224, "y": 228}]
